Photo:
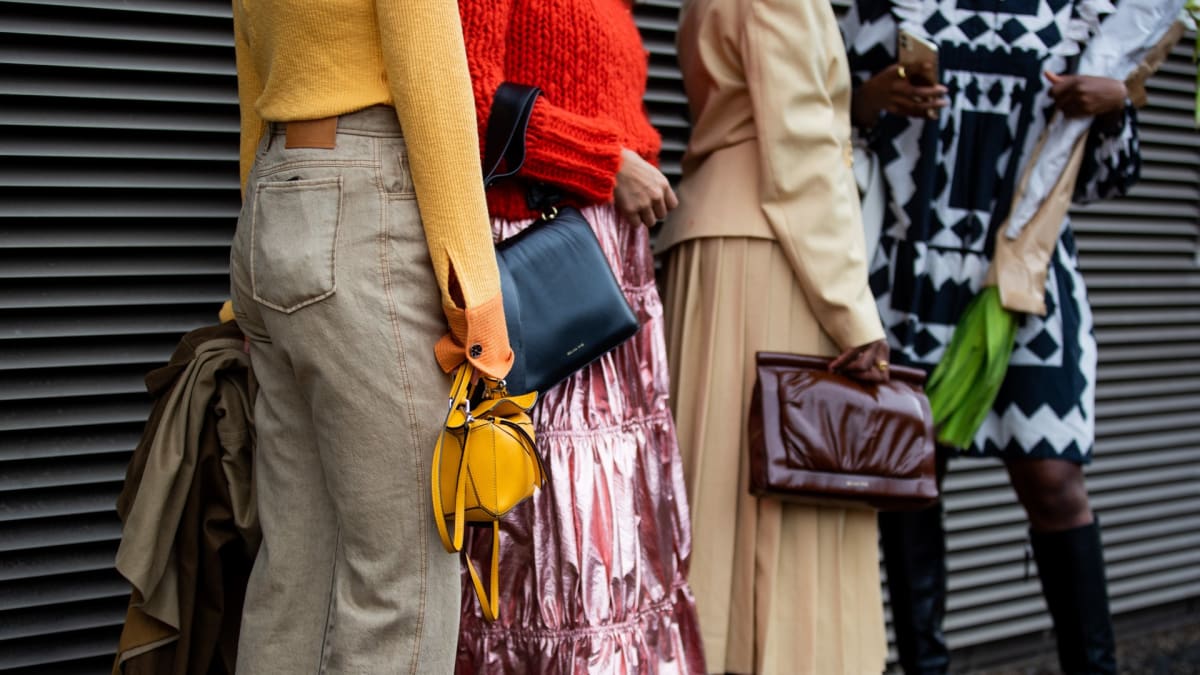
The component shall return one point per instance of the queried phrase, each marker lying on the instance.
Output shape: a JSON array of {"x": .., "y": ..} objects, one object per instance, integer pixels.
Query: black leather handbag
[{"x": 562, "y": 304}]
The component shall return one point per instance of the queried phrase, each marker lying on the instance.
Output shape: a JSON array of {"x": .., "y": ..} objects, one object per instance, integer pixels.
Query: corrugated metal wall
[{"x": 118, "y": 196}]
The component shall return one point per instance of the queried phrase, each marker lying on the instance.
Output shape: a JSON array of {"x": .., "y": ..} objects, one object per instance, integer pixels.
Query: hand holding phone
[
  {"x": 918, "y": 59},
  {"x": 908, "y": 87}
]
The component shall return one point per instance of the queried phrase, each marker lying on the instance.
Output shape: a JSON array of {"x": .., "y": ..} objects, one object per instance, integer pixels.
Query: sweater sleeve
[
  {"x": 812, "y": 202},
  {"x": 578, "y": 153},
  {"x": 427, "y": 73},
  {"x": 249, "y": 89}
]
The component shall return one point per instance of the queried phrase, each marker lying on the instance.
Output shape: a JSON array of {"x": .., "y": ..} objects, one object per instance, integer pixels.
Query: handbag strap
[
  {"x": 489, "y": 601},
  {"x": 458, "y": 395},
  {"x": 508, "y": 123},
  {"x": 506, "y": 126}
]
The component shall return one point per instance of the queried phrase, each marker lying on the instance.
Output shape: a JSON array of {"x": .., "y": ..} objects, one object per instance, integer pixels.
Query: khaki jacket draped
[{"x": 190, "y": 527}]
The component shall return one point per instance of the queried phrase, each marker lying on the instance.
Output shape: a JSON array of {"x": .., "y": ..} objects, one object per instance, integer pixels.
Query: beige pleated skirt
[{"x": 780, "y": 588}]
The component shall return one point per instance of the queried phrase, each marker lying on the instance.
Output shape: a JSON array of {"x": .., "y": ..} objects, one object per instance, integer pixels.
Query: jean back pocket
[{"x": 293, "y": 236}]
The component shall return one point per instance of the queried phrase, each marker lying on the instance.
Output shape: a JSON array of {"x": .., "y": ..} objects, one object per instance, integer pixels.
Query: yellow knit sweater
[{"x": 311, "y": 59}]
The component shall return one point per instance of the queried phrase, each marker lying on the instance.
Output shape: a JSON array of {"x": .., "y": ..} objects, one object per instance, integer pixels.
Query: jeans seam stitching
[
  {"x": 379, "y": 171},
  {"x": 323, "y": 665},
  {"x": 406, "y": 384}
]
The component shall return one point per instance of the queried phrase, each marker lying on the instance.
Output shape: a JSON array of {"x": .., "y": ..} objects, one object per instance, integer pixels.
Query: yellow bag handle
[
  {"x": 489, "y": 602},
  {"x": 458, "y": 395}
]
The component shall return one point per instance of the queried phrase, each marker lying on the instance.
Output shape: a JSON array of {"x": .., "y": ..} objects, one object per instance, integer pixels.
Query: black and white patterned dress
[{"x": 950, "y": 185}]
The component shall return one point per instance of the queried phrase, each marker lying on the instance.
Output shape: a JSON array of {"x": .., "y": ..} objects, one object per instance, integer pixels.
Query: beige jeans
[{"x": 333, "y": 284}]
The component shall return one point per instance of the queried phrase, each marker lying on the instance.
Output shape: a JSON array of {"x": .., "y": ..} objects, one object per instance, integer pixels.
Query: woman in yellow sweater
[{"x": 363, "y": 232}]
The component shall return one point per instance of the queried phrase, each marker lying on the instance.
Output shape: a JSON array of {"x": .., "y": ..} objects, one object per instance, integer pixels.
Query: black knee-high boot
[
  {"x": 914, "y": 554},
  {"x": 1071, "y": 567}
]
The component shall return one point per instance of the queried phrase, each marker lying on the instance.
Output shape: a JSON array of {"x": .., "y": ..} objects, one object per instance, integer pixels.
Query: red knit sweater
[{"x": 588, "y": 59}]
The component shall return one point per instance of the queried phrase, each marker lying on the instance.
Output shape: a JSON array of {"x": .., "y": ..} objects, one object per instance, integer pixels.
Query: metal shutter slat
[
  {"x": 85, "y": 173},
  {"x": 116, "y": 115},
  {"x": 30, "y": 81},
  {"x": 187, "y": 8},
  {"x": 57, "y": 561},
  {"x": 46, "y": 591},
  {"x": 43, "y": 354},
  {"x": 34, "y": 622},
  {"x": 51, "y": 234},
  {"x": 83, "y": 413},
  {"x": 37, "y": 653},
  {"x": 72, "y": 492},
  {"x": 106, "y": 293},
  {"x": 48, "y": 532},
  {"x": 67, "y": 443},
  {"x": 1113, "y": 446},
  {"x": 1149, "y": 424},
  {"x": 164, "y": 146},
  {"x": 98, "y": 55},
  {"x": 57, "y": 384},
  {"x": 95, "y": 263},
  {"x": 102, "y": 24},
  {"x": 115, "y": 321}
]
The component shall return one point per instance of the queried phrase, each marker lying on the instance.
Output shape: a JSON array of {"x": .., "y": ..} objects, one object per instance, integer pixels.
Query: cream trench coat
[{"x": 766, "y": 251}]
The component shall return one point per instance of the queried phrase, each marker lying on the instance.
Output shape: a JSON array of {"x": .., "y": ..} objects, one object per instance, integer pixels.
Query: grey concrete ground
[{"x": 1173, "y": 651}]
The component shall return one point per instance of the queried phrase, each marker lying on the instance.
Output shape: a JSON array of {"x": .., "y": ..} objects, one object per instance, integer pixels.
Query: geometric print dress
[{"x": 950, "y": 185}]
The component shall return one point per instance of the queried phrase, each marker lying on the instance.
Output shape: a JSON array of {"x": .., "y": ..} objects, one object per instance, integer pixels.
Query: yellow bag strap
[
  {"x": 490, "y": 603},
  {"x": 458, "y": 395}
]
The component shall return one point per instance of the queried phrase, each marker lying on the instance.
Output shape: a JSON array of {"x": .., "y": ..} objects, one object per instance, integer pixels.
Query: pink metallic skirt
[{"x": 593, "y": 567}]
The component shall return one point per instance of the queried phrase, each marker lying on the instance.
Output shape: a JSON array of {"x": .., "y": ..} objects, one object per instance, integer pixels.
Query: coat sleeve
[
  {"x": 1112, "y": 159},
  {"x": 576, "y": 152},
  {"x": 808, "y": 192}
]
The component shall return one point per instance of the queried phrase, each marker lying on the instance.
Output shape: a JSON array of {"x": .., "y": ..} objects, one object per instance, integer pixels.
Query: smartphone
[{"x": 918, "y": 56}]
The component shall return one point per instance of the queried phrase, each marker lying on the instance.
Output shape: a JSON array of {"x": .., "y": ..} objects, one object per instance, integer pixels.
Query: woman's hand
[
  {"x": 909, "y": 95},
  {"x": 643, "y": 193},
  {"x": 1086, "y": 95},
  {"x": 868, "y": 363}
]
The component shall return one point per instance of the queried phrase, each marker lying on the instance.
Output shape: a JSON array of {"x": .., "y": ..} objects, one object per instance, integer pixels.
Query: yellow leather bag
[{"x": 484, "y": 464}]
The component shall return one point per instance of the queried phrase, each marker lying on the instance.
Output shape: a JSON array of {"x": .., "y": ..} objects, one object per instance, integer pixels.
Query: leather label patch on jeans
[{"x": 320, "y": 133}]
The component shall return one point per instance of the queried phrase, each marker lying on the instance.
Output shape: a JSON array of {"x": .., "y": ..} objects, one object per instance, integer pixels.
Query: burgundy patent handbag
[{"x": 824, "y": 438}]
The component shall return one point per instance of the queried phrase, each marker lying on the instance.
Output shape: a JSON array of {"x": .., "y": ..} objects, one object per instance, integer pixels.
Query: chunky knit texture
[
  {"x": 311, "y": 59},
  {"x": 588, "y": 59}
]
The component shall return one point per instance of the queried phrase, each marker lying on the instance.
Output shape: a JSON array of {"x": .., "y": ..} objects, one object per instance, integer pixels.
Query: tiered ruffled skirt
[{"x": 593, "y": 567}]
